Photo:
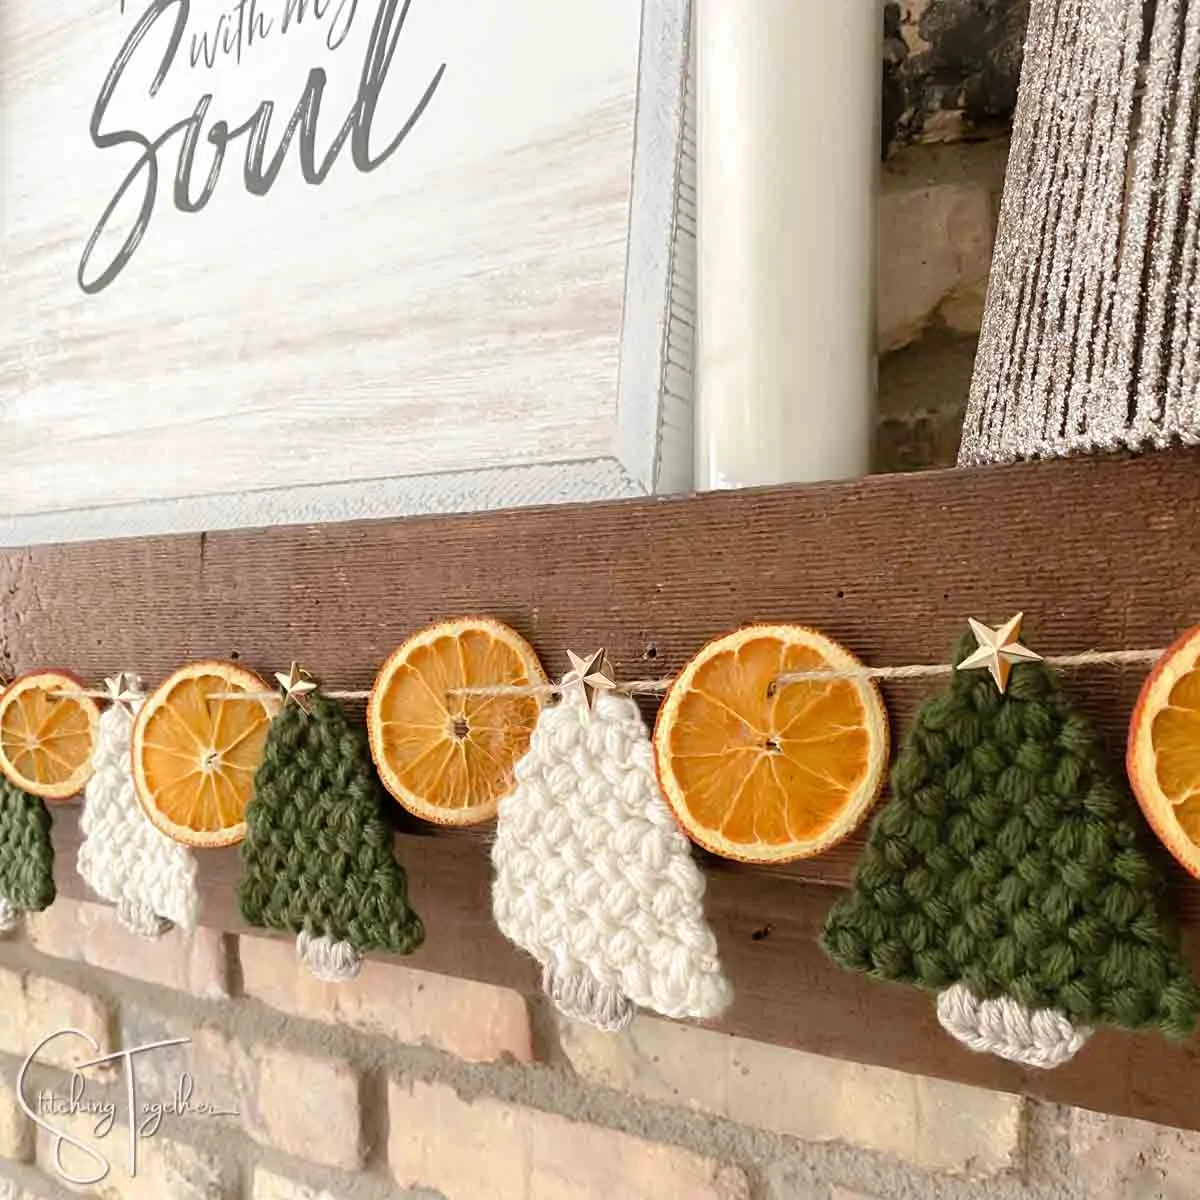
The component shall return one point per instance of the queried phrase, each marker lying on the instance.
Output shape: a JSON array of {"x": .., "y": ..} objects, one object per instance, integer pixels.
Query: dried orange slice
[
  {"x": 47, "y": 734},
  {"x": 196, "y": 748},
  {"x": 765, "y": 772},
  {"x": 447, "y": 757},
  {"x": 1163, "y": 755}
]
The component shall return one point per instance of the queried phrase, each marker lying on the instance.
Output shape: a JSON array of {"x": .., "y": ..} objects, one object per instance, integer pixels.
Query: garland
[{"x": 1006, "y": 872}]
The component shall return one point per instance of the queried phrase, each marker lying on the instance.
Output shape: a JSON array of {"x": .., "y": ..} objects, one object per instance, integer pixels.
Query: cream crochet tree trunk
[
  {"x": 594, "y": 878},
  {"x": 124, "y": 859}
]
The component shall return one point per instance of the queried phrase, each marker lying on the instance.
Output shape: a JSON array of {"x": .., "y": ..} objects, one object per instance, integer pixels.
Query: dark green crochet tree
[
  {"x": 317, "y": 859},
  {"x": 26, "y": 854},
  {"x": 1009, "y": 860}
]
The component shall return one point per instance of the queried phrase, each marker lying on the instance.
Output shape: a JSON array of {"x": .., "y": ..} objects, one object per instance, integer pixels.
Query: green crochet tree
[
  {"x": 26, "y": 855},
  {"x": 317, "y": 859},
  {"x": 1007, "y": 873}
]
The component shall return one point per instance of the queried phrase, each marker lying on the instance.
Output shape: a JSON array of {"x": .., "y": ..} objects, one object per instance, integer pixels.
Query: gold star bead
[
  {"x": 594, "y": 674},
  {"x": 296, "y": 685},
  {"x": 998, "y": 650},
  {"x": 124, "y": 688}
]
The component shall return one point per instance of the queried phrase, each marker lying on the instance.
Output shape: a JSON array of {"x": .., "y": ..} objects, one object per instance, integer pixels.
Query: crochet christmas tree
[
  {"x": 317, "y": 858},
  {"x": 595, "y": 879},
  {"x": 1007, "y": 874},
  {"x": 123, "y": 858},
  {"x": 26, "y": 856}
]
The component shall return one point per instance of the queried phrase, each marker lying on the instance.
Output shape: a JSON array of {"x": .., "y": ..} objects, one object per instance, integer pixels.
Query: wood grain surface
[
  {"x": 460, "y": 307},
  {"x": 1099, "y": 554}
]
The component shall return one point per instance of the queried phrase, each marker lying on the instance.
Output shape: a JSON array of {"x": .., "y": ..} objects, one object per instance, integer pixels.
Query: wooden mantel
[{"x": 1098, "y": 553}]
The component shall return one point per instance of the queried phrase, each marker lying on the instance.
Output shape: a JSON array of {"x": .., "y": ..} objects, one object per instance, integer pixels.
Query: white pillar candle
[{"x": 788, "y": 95}]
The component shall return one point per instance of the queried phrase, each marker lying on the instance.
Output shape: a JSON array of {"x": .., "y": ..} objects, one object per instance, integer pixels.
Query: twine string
[
  {"x": 652, "y": 687},
  {"x": 1088, "y": 658},
  {"x": 632, "y": 687}
]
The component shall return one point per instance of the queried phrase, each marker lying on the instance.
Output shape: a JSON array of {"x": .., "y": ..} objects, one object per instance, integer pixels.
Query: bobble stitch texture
[
  {"x": 123, "y": 858},
  {"x": 593, "y": 876},
  {"x": 1008, "y": 861},
  {"x": 318, "y": 859},
  {"x": 26, "y": 856}
]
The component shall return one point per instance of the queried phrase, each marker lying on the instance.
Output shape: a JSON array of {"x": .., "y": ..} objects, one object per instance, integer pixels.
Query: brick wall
[
  {"x": 951, "y": 67},
  {"x": 404, "y": 1084},
  {"x": 950, "y": 75},
  {"x": 938, "y": 207}
]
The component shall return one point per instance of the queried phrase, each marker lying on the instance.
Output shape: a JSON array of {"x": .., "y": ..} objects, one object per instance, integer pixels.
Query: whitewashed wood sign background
[{"x": 280, "y": 260}]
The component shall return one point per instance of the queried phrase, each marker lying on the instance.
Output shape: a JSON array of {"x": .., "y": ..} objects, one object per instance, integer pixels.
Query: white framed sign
[{"x": 285, "y": 260}]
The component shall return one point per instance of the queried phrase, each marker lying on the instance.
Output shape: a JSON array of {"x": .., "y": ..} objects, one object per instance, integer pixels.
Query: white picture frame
[{"x": 81, "y": 456}]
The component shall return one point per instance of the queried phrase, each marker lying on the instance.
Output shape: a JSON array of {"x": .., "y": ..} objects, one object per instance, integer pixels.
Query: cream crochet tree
[
  {"x": 124, "y": 859},
  {"x": 594, "y": 878}
]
